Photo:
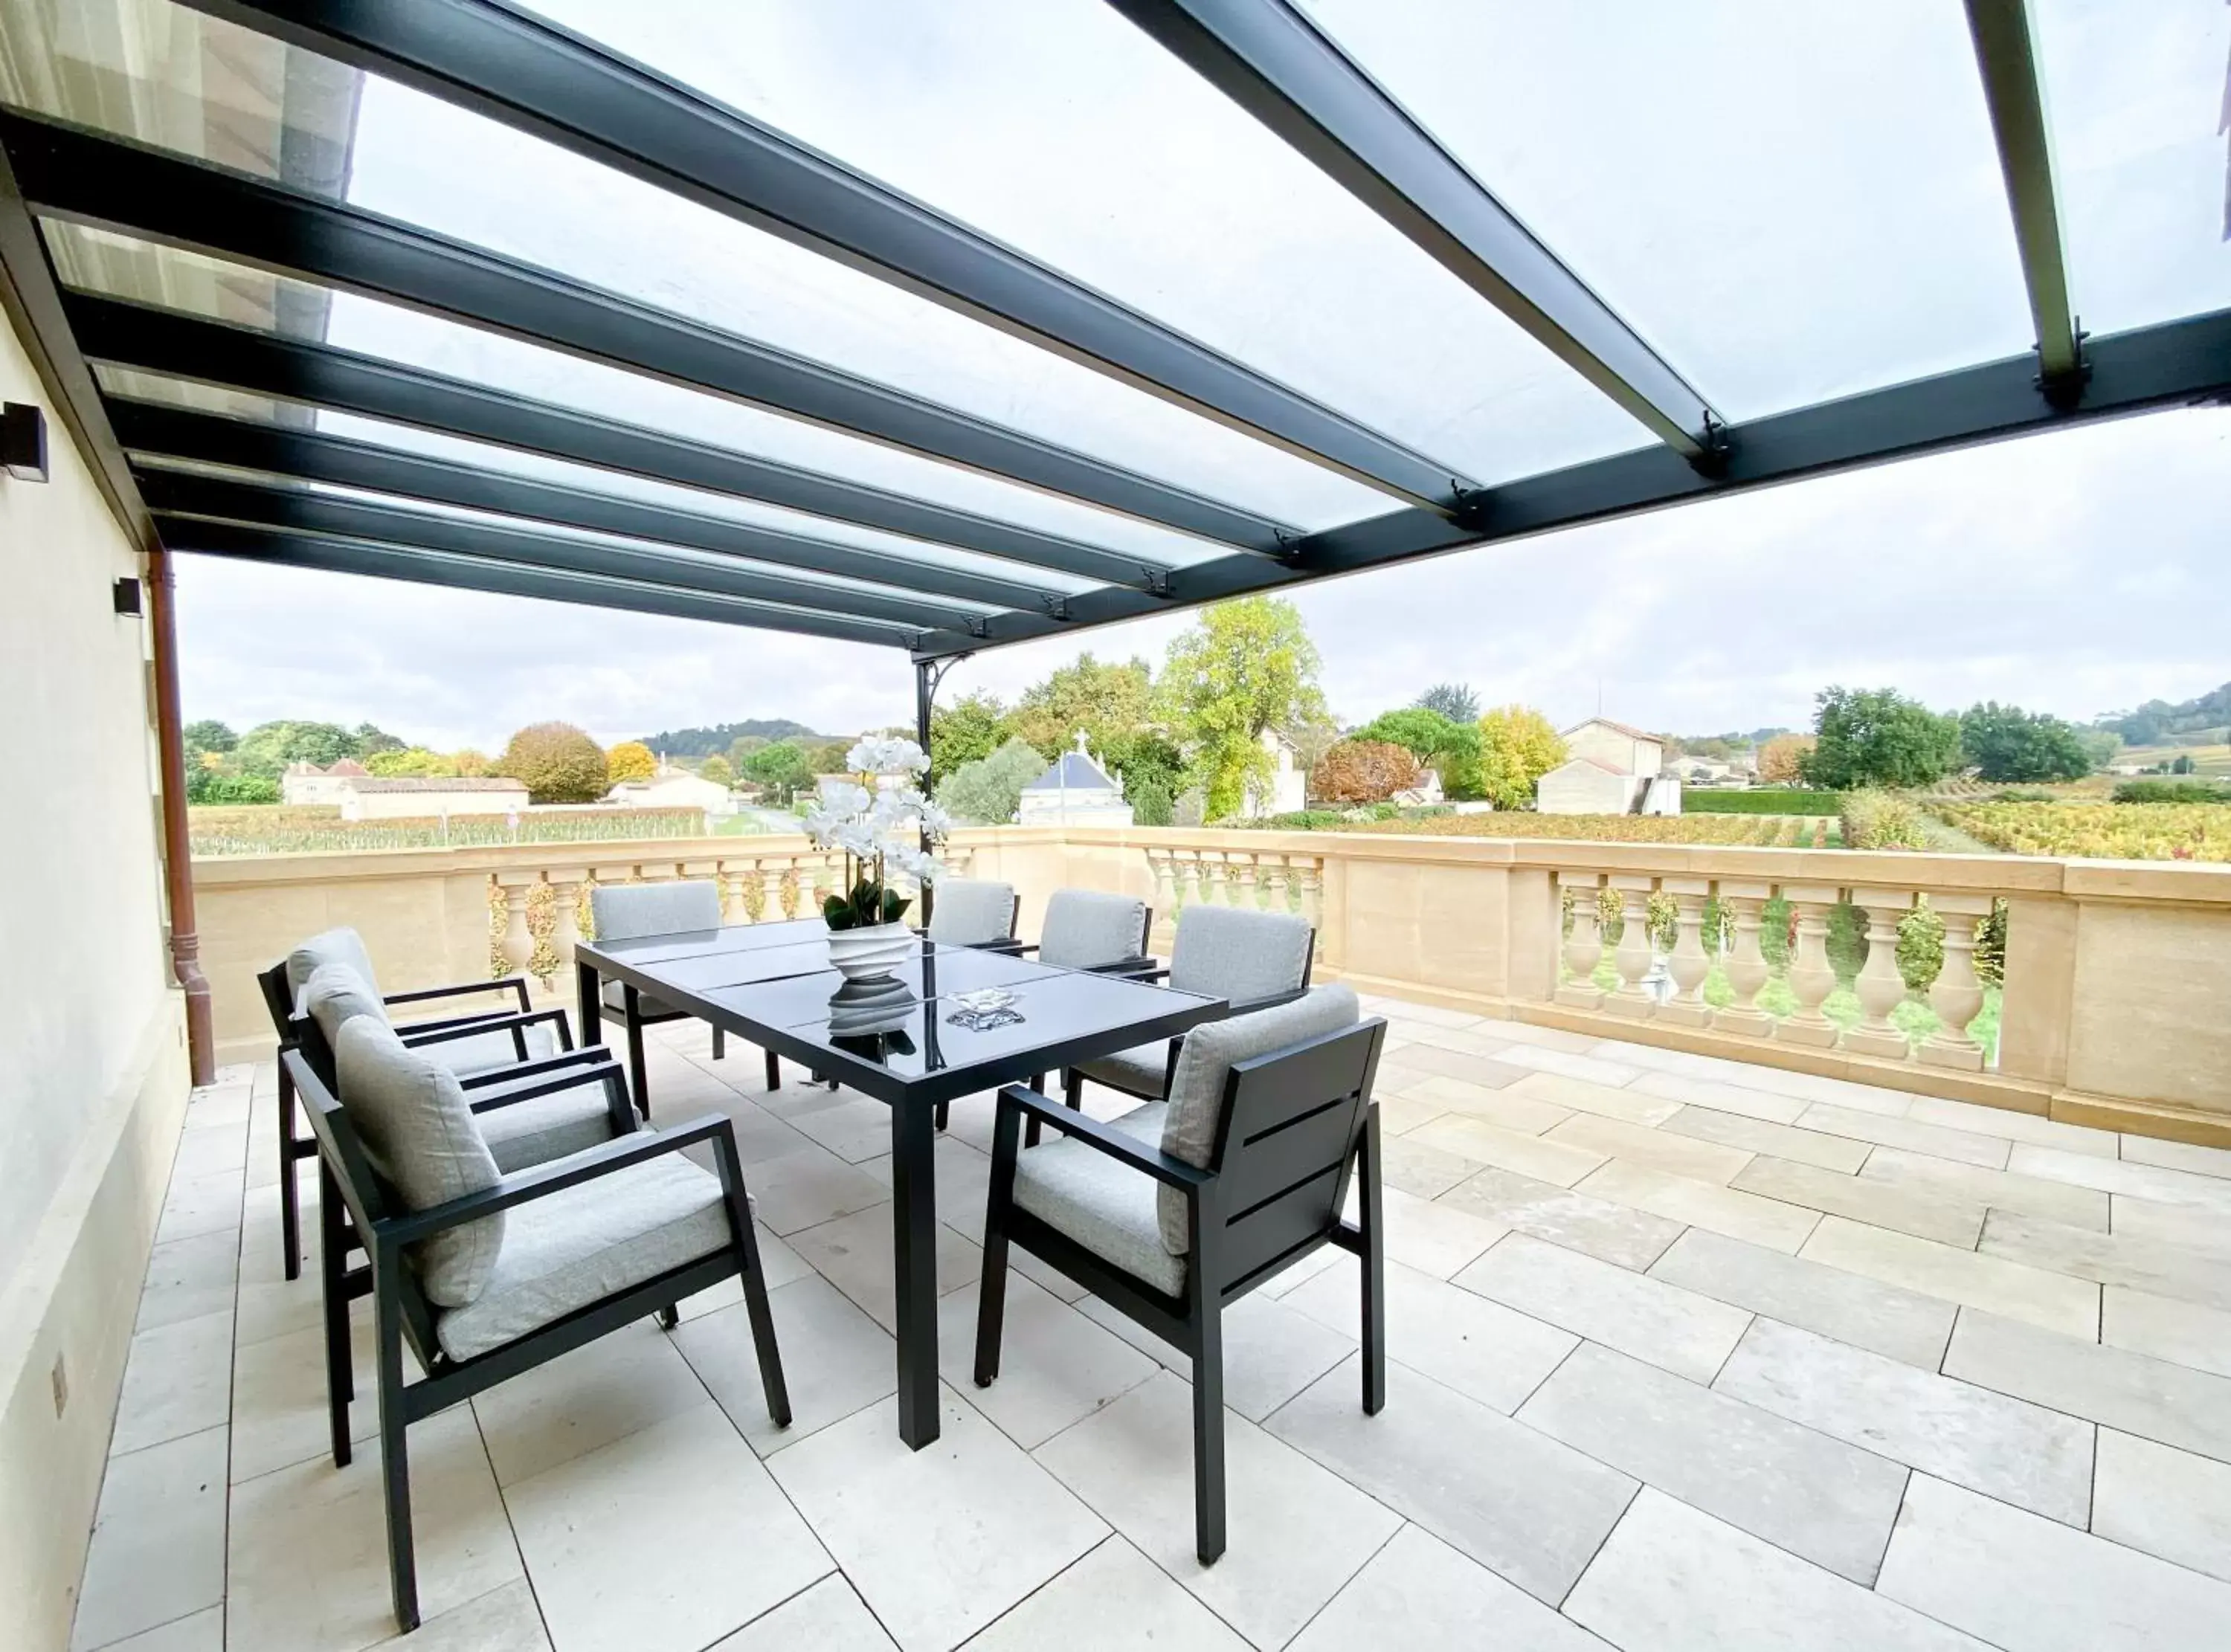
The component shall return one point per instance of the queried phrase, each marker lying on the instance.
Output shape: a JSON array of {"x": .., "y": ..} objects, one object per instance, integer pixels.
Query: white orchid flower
[{"x": 935, "y": 820}]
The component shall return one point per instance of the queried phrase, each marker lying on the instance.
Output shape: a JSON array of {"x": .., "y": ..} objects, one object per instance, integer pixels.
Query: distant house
[
  {"x": 1075, "y": 792},
  {"x": 1612, "y": 769},
  {"x": 367, "y": 799},
  {"x": 305, "y": 783},
  {"x": 1286, "y": 793},
  {"x": 673, "y": 788}
]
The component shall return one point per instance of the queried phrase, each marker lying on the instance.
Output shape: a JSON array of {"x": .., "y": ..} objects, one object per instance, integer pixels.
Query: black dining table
[{"x": 899, "y": 1039}]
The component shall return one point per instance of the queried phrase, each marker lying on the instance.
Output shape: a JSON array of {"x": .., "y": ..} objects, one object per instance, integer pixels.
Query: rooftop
[
  {"x": 452, "y": 782},
  {"x": 1688, "y": 1352}
]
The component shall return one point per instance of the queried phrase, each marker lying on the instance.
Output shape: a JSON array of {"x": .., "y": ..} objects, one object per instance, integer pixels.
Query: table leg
[
  {"x": 591, "y": 1004},
  {"x": 914, "y": 1258}
]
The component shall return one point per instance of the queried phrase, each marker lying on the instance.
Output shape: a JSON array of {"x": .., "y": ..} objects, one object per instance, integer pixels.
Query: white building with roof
[
  {"x": 1075, "y": 792},
  {"x": 415, "y": 797},
  {"x": 673, "y": 788},
  {"x": 1610, "y": 769}
]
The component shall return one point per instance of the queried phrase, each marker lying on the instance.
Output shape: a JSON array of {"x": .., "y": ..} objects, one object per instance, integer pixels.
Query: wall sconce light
[
  {"x": 126, "y": 595},
  {"x": 23, "y": 441}
]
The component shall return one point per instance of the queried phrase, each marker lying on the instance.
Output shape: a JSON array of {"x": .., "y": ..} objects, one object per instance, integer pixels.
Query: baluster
[
  {"x": 827, "y": 870},
  {"x": 1241, "y": 870},
  {"x": 1277, "y": 882},
  {"x": 1746, "y": 967},
  {"x": 1584, "y": 945},
  {"x": 732, "y": 875},
  {"x": 1687, "y": 964},
  {"x": 770, "y": 874},
  {"x": 518, "y": 940},
  {"x": 565, "y": 917},
  {"x": 1633, "y": 959},
  {"x": 1956, "y": 995},
  {"x": 1184, "y": 881},
  {"x": 1880, "y": 988},
  {"x": 1312, "y": 878},
  {"x": 1812, "y": 977},
  {"x": 1212, "y": 875}
]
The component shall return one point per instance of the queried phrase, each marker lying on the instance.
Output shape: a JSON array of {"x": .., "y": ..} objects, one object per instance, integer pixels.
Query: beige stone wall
[
  {"x": 2117, "y": 1001},
  {"x": 92, "y": 1080}
]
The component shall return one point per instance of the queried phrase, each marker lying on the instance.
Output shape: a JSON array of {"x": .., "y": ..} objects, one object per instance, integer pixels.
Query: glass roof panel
[
  {"x": 682, "y": 557},
  {"x": 2137, "y": 99},
  {"x": 122, "y": 267},
  {"x": 1792, "y": 202},
  {"x": 1061, "y": 129},
  {"x": 390, "y": 149}
]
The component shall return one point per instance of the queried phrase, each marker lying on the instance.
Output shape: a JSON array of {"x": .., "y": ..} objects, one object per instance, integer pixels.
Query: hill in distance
[
  {"x": 2158, "y": 722},
  {"x": 704, "y": 742}
]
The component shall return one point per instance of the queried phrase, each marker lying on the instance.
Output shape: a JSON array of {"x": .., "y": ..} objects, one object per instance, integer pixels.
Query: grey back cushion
[
  {"x": 1085, "y": 928},
  {"x": 967, "y": 911},
  {"x": 334, "y": 994},
  {"x": 421, "y": 1136},
  {"x": 342, "y": 945},
  {"x": 630, "y": 911},
  {"x": 1238, "y": 955},
  {"x": 1205, "y": 1061}
]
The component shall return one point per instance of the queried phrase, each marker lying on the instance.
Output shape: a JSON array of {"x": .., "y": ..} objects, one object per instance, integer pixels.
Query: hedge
[{"x": 1776, "y": 800}]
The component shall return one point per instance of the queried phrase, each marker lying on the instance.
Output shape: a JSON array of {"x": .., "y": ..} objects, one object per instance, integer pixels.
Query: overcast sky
[{"x": 1848, "y": 239}]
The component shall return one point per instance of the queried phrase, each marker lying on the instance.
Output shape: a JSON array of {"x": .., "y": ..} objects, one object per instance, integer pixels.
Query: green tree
[
  {"x": 1517, "y": 746},
  {"x": 557, "y": 763},
  {"x": 2006, "y": 743},
  {"x": 742, "y": 747},
  {"x": 1454, "y": 701},
  {"x": 962, "y": 732},
  {"x": 208, "y": 786},
  {"x": 1111, "y": 702},
  {"x": 989, "y": 790},
  {"x": 828, "y": 756},
  {"x": 715, "y": 768},
  {"x": 630, "y": 760},
  {"x": 1451, "y": 750},
  {"x": 207, "y": 735},
  {"x": 371, "y": 741},
  {"x": 268, "y": 748},
  {"x": 414, "y": 762},
  {"x": 1244, "y": 667},
  {"x": 782, "y": 767},
  {"x": 1877, "y": 737}
]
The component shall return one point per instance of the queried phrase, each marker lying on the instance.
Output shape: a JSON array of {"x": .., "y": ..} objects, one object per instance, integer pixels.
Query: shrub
[
  {"x": 2158, "y": 791},
  {"x": 1151, "y": 803},
  {"x": 1880, "y": 820},
  {"x": 204, "y": 787},
  {"x": 989, "y": 791},
  {"x": 629, "y": 760},
  {"x": 1759, "y": 800},
  {"x": 1781, "y": 758},
  {"x": 557, "y": 762},
  {"x": 1365, "y": 772}
]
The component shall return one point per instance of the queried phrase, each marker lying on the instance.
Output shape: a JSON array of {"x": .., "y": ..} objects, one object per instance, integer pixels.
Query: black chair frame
[
  {"x": 295, "y": 1147},
  {"x": 1296, "y": 1124},
  {"x": 353, "y": 1191}
]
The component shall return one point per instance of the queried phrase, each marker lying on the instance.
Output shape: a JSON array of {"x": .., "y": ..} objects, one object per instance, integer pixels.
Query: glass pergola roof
[{"x": 945, "y": 326}]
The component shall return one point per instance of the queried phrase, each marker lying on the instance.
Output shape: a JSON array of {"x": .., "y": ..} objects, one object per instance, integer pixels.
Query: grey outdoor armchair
[
  {"x": 1177, "y": 1209},
  {"x": 632, "y": 911},
  {"x": 974, "y": 911},
  {"x": 486, "y": 1275}
]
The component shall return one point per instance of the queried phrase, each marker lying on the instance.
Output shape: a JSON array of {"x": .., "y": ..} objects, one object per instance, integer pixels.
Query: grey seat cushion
[
  {"x": 1205, "y": 1061},
  {"x": 421, "y": 1136},
  {"x": 343, "y": 946},
  {"x": 1101, "y": 1203},
  {"x": 575, "y": 1247},
  {"x": 536, "y": 1130},
  {"x": 1143, "y": 1069},
  {"x": 1086, "y": 928},
  {"x": 1233, "y": 954},
  {"x": 631, "y": 911},
  {"x": 968, "y": 912},
  {"x": 336, "y": 992}
]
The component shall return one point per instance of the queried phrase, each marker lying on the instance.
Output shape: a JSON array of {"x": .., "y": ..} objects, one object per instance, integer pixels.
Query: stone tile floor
[{"x": 1689, "y": 1354}]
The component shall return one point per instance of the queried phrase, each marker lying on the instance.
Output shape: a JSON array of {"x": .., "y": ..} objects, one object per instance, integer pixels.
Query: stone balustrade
[{"x": 2112, "y": 1004}]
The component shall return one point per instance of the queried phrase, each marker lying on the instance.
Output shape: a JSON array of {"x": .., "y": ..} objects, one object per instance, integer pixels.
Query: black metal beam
[
  {"x": 288, "y": 548},
  {"x": 70, "y": 171},
  {"x": 1277, "y": 65},
  {"x": 263, "y": 364},
  {"x": 2186, "y": 362},
  {"x": 152, "y": 428},
  {"x": 35, "y": 308},
  {"x": 178, "y": 493},
  {"x": 2005, "y": 52},
  {"x": 543, "y": 80}
]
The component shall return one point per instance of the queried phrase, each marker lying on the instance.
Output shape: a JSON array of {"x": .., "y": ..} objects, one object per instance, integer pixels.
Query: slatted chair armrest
[
  {"x": 621, "y": 1152},
  {"x": 1082, "y": 1126},
  {"x": 588, "y": 1055},
  {"x": 1138, "y": 969},
  {"x": 1248, "y": 1006},
  {"x": 606, "y": 1073},
  {"x": 1011, "y": 947},
  {"x": 442, "y": 1023},
  {"x": 515, "y": 984},
  {"x": 443, "y": 1032}
]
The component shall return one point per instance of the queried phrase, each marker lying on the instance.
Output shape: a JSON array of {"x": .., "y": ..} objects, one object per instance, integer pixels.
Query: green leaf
[{"x": 838, "y": 911}]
